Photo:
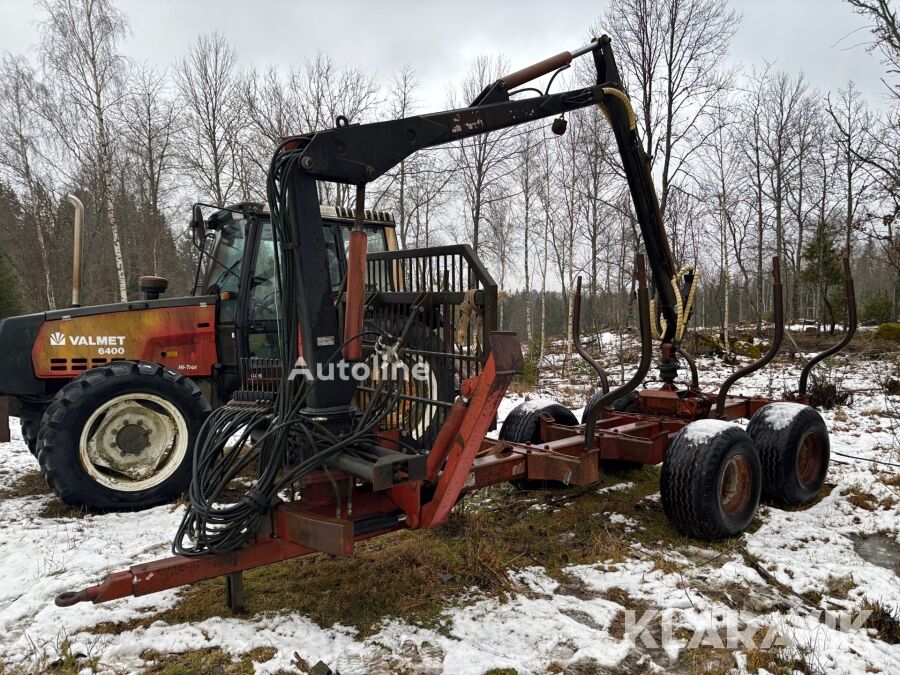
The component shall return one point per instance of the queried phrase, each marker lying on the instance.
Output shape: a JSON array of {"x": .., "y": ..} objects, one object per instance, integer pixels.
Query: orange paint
[{"x": 180, "y": 338}]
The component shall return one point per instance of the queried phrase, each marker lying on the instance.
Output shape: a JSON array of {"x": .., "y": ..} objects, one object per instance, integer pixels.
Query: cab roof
[{"x": 327, "y": 211}]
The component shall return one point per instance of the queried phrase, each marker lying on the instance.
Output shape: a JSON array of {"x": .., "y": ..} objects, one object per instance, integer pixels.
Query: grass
[
  {"x": 884, "y": 621},
  {"x": 417, "y": 574},
  {"x": 778, "y": 661},
  {"x": 205, "y": 661},
  {"x": 860, "y": 498},
  {"x": 29, "y": 484}
]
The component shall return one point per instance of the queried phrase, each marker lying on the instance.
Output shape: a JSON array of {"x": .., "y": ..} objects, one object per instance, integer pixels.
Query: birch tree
[
  {"x": 79, "y": 48},
  {"x": 149, "y": 123}
]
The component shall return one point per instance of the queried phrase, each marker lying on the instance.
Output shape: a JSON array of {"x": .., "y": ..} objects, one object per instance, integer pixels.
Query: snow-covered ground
[{"x": 832, "y": 557}]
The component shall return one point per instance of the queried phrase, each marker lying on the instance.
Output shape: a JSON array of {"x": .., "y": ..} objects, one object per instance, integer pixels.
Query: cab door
[
  {"x": 259, "y": 314},
  {"x": 260, "y": 311}
]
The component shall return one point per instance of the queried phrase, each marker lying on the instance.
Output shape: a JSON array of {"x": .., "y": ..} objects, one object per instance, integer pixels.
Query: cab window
[
  {"x": 223, "y": 273},
  {"x": 264, "y": 284}
]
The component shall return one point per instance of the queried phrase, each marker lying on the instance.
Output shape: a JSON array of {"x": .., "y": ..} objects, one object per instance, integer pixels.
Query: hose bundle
[{"x": 284, "y": 444}]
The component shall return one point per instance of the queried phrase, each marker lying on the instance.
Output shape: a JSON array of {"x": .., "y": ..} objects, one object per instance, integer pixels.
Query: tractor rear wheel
[
  {"x": 429, "y": 377},
  {"x": 711, "y": 480},
  {"x": 523, "y": 425},
  {"x": 30, "y": 434},
  {"x": 121, "y": 436},
  {"x": 794, "y": 450}
]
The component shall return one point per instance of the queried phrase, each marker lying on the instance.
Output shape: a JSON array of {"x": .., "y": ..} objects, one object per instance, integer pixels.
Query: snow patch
[
  {"x": 702, "y": 431},
  {"x": 780, "y": 415},
  {"x": 537, "y": 404}
]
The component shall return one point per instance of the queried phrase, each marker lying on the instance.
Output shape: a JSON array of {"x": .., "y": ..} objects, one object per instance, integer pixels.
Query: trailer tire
[
  {"x": 523, "y": 425},
  {"x": 794, "y": 451},
  {"x": 121, "y": 436},
  {"x": 711, "y": 480},
  {"x": 30, "y": 434}
]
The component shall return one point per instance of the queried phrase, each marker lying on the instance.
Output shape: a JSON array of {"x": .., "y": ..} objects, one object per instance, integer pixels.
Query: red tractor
[{"x": 111, "y": 397}]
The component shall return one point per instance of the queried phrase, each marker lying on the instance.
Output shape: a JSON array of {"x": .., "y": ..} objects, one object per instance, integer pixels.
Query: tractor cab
[{"x": 237, "y": 265}]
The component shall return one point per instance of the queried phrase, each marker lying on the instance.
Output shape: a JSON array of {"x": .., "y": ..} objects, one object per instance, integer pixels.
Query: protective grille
[{"x": 453, "y": 302}]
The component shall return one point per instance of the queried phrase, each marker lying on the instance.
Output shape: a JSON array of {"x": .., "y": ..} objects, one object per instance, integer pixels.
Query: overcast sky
[{"x": 819, "y": 37}]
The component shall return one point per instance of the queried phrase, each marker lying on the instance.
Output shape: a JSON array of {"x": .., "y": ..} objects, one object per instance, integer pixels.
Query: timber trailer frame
[{"x": 713, "y": 471}]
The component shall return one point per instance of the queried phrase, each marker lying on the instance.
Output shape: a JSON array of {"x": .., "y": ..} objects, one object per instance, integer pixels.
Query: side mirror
[{"x": 198, "y": 226}]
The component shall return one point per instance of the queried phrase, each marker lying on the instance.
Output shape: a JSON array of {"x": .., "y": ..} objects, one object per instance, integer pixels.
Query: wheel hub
[
  {"x": 131, "y": 439},
  {"x": 809, "y": 460},
  {"x": 736, "y": 485}
]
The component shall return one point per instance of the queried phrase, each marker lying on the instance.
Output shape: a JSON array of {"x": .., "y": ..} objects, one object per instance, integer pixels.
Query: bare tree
[
  {"x": 402, "y": 103},
  {"x": 483, "y": 161},
  {"x": 149, "y": 123},
  {"x": 782, "y": 100},
  {"x": 672, "y": 50},
  {"x": 326, "y": 92},
  {"x": 79, "y": 47},
  {"x": 212, "y": 117},
  {"x": 850, "y": 132},
  {"x": 20, "y": 135},
  {"x": 886, "y": 31},
  {"x": 526, "y": 179}
]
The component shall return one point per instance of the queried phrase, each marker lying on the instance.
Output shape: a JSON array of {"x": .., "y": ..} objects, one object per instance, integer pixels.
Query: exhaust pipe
[{"x": 78, "y": 242}]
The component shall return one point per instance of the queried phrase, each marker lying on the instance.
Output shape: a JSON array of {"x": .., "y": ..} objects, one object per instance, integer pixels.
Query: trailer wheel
[
  {"x": 523, "y": 425},
  {"x": 121, "y": 436},
  {"x": 30, "y": 434},
  {"x": 711, "y": 479},
  {"x": 794, "y": 451}
]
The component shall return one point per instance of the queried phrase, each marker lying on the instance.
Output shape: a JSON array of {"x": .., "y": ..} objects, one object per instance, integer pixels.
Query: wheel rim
[
  {"x": 810, "y": 458},
  {"x": 414, "y": 411},
  {"x": 736, "y": 485},
  {"x": 133, "y": 442}
]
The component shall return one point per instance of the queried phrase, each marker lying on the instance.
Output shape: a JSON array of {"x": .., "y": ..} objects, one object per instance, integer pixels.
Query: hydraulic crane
[{"x": 346, "y": 445}]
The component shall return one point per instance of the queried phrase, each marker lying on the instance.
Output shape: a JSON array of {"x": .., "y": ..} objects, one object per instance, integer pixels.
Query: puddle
[{"x": 879, "y": 549}]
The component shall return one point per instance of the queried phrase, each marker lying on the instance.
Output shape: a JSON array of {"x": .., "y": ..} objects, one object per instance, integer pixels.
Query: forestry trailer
[{"x": 330, "y": 463}]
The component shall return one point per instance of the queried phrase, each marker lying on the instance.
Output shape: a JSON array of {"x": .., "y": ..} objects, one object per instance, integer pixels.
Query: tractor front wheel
[
  {"x": 711, "y": 480},
  {"x": 121, "y": 436}
]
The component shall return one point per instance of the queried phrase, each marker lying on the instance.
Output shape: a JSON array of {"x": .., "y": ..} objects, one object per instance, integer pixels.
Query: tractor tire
[
  {"x": 121, "y": 437},
  {"x": 30, "y": 434},
  {"x": 628, "y": 404},
  {"x": 794, "y": 451},
  {"x": 711, "y": 480},
  {"x": 523, "y": 425}
]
